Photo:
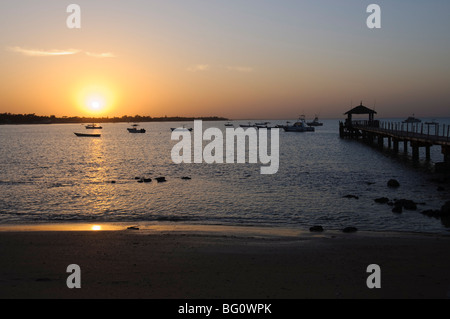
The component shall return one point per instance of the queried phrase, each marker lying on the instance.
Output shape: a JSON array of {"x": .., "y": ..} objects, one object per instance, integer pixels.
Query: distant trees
[{"x": 9, "y": 118}]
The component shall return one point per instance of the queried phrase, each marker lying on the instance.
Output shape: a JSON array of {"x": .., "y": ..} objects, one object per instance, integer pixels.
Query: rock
[
  {"x": 147, "y": 180},
  {"x": 113, "y": 182},
  {"x": 185, "y": 178},
  {"x": 161, "y": 179},
  {"x": 350, "y": 229},
  {"x": 382, "y": 200},
  {"x": 316, "y": 229},
  {"x": 397, "y": 209},
  {"x": 406, "y": 204},
  {"x": 140, "y": 181},
  {"x": 137, "y": 177},
  {"x": 393, "y": 183},
  {"x": 351, "y": 196},
  {"x": 133, "y": 228},
  {"x": 445, "y": 209},
  {"x": 431, "y": 213}
]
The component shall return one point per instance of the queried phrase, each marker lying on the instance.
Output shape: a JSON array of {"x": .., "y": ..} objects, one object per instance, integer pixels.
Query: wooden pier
[{"x": 416, "y": 135}]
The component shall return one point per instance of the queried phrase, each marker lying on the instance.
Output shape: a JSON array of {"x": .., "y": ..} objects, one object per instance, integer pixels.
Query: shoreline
[{"x": 216, "y": 262}]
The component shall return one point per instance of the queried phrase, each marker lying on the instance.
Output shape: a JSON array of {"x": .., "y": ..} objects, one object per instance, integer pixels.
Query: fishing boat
[
  {"x": 433, "y": 122},
  {"x": 135, "y": 130},
  {"x": 229, "y": 124},
  {"x": 93, "y": 127},
  {"x": 87, "y": 135},
  {"x": 299, "y": 126},
  {"x": 315, "y": 122},
  {"x": 181, "y": 129},
  {"x": 247, "y": 125},
  {"x": 412, "y": 119}
]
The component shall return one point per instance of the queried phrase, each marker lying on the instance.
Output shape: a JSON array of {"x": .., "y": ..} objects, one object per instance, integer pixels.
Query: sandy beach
[{"x": 222, "y": 263}]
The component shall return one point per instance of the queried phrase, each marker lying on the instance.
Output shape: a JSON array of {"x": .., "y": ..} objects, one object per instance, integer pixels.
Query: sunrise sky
[{"x": 239, "y": 59}]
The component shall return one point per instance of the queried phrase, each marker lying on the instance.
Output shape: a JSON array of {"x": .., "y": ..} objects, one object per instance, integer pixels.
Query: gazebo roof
[{"x": 360, "y": 109}]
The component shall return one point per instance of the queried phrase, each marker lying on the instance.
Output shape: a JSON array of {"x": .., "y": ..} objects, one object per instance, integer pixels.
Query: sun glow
[
  {"x": 96, "y": 227},
  {"x": 96, "y": 100}
]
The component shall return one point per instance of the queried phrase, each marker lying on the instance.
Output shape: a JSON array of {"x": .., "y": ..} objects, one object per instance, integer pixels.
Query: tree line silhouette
[{"x": 9, "y": 118}]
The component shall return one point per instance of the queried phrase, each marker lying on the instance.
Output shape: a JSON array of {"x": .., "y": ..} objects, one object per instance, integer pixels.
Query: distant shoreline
[{"x": 21, "y": 119}]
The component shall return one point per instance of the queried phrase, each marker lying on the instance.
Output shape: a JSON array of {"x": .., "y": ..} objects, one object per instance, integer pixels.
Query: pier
[{"x": 417, "y": 135}]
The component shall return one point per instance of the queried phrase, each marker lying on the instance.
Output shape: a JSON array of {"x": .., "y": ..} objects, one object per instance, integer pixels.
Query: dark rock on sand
[
  {"x": 316, "y": 229},
  {"x": 185, "y": 178},
  {"x": 445, "y": 209},
  {"x": 406, "y": 204},
  {"x": 350, "y": 229},
  {"x": 147, "y": 180},
  {"x": 393, "y": 183},
  {"x": 397, "y": 209},
  {"x": 161, "y": 179},
  {"x": 351, "y": 196},
  {"x": 382, "y": 200},
  {"x": 436, "y": 213}
]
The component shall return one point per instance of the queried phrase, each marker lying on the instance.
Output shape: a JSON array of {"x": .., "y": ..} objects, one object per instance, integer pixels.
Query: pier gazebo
[{"x": 360, "y": 109}]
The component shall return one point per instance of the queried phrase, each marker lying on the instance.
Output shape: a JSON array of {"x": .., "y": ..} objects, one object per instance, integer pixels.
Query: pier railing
[{"x": 433, "y": 132}]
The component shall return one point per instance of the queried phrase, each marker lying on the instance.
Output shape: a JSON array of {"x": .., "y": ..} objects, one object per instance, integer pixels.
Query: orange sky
[{"x": 238, "y": 59}]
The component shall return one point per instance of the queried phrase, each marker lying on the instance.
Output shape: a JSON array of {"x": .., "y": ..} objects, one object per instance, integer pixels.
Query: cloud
[
  {"x": 206, "y": 67},
  {"x": 198, "y": 68},
  {"x": 34, "y": 52},
  {"x": 48, "y": 53},
  {"x": 101, "y": 55},
  {"x": 242, "y": 69}
]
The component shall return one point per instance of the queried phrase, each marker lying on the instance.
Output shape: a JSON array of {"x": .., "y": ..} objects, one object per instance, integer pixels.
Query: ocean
[{"x": 49, "y": 175}]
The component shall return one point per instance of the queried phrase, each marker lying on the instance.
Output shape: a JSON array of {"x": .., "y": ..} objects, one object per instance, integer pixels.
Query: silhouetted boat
[
  {"x": 299, "y": 126},
  {"x": 181, "y": 128},
  {"x": 247, "y": 125},
  {"x": 93, "y": 126},
  {"x": 87, "y": 135},
  {"x": 412, "y": 119},
  {"x": 315, "y": 122},
  {"x": 135, "y": 130},
  {"x": 229, "y": 124},
  {"x": 433, "y": 122}
]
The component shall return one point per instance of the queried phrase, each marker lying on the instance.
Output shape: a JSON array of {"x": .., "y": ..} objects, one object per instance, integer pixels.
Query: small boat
[
  {"x": 87, "y": 135},
  {"x": 181, "y": 129},
  {"x": 433, "y": 122},
  {"x": 315, "y": 122},
  {"x": 412, "y": 119},
  {"x": 299, "y": 126},
  {"x": 135, "y": 130},
  {"x": 247, "y": 125},
  {"x": 93, "y": 127},
  {"x": 229, "y": 124}
]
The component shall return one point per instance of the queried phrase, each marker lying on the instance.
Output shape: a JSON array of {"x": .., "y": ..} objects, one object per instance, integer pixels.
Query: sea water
[{"x": 49, "y": 175}]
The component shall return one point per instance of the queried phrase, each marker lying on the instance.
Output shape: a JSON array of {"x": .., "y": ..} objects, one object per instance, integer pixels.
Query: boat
[
  {"x": 412, "y": 119},
  {"x": 87, "y": 135},
  {"x": 135, "y": 130},
  {"x": 247, "y": 125},
  {"x": 433, "y": 122},
  {"x": 229, "y": 124},
  {"x": 315, "y": 122},
  {"x": 181, "y": 129},
  {"x": 299, "y": 126},
  {"x": 93, "y": 127}
]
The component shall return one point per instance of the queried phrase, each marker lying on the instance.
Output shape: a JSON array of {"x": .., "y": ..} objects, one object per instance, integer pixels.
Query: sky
[{"x": 240, "y": 59}]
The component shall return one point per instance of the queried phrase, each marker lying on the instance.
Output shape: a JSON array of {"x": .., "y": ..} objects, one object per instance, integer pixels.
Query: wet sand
[{"x": 222, "y": 263}]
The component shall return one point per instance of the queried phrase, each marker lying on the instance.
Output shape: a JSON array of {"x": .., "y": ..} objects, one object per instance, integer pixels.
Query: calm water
[{"x": 48, "y": 175}]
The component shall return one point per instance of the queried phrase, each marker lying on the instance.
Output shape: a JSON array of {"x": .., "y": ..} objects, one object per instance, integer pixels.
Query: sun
[
  {"x": 96, "y": 100},
  {"x": 96, "y": 103}
]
